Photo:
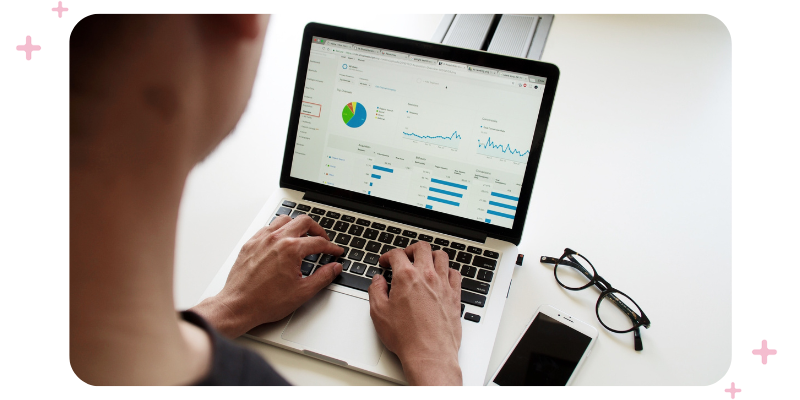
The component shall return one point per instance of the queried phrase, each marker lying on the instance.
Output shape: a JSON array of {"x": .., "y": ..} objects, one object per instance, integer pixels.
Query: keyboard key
[
  {"x": 333, "y": 214},
  {"x": 474, "y": 250},
  {"x": 326, "y": 258},
  {"x": 347, "y": 218},
  {"x": 319, "y": 211},
  {"x": 331, "y": 234},
  {"x": 386, "y": 248},
  {"x": 345, "y": 263},
  {"x": 472, "y": 317},
  {"x": 290, "y": 204},
  {"x": 410, "y": 234},
  {"x": 357, "y": 255},
  {"x": 306, "y": 267},
  {"x": 442, "y": 242},
  {"x": 283, "y": 211},
  {"x": 485, "y": 275},
  {"x": 358, "y": 269},
  {"x": 401, "y": 241},
  {"x": 425, "y": 238},
  {"x": 454, "y": 265},
  {"x": 312, "y": 257},
  {"x": 372, "y": 271},
  {"x": 358, "y": 242},
  {"x": 315, "y": 217},
  {"x": 303, "y": 207},
  {"x": 270, "y": 221},
  {"x": 394, "y": 230},
  {"x": 472, "y": 298},
  {"x": 435, "y": 247},
  {"x": 345, "y": 251},
  {"x": 464, "y": 257},
  {"x": 370, "y": 234},
  {"x": 450, "y": 252},
  {"x": 378, "y": 226},
  {"x": 458, "y": 246},
  {"x": 373, "y": 247},
  {"x": 475, "y": 286},
  {"x": 491, "y": 254},
  {"x": 413, "y": 241},
  {"x": 467, "y": 270},
  {"x": 326, "y": 223},
  {"x": 352, "y": 281},
  {"x": 462, "y": 308},
  {"x": 484, "y": 262},
  {"x": 342, "y": 239},
  {"x": 341, "y": 226},
  {"x": 385, "y": 237},
  {"x": 388, "y": 275},
  {"x": 362, "y": 222},
  {"x": 297, "y": 213},
  {"x": 356, "y": 230},
  {"x": 371, "y": 258}
]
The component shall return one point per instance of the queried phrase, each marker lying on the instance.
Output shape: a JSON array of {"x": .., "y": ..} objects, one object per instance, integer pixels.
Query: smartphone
[{"x": 548, "y": 353}]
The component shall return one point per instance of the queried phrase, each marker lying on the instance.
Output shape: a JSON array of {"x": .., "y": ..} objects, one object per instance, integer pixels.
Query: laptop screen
[{"x": 431, "y": 133}]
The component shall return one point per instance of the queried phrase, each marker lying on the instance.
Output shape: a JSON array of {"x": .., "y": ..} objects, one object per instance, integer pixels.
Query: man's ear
[{"x": 247, "y": 26}]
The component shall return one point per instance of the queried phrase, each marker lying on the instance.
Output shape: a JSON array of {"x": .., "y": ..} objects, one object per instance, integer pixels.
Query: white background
[{"x": 34, "y": 213}]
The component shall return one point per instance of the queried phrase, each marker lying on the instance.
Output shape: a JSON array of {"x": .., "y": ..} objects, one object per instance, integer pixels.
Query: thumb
[
  {"x": 378, "y": 292},
  {"x": 322, "y": 277}
]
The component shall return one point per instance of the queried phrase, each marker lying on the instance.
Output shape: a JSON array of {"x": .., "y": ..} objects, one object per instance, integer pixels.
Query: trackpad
[{"x": 336, "y": 325}]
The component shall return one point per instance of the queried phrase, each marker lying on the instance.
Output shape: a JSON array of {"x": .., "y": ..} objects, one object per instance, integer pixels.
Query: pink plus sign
[
  {"x": 733, "y": 390},
  {"x": 60, "y": 9},
  {"x": 28, "y": 48},
  {"x": 764, "y": 352}
]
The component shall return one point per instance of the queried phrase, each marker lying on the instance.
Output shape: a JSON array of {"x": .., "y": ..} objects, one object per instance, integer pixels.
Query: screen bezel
[
  {"x": 564, "y": 318},
  {"x": 432, "y": 50}
]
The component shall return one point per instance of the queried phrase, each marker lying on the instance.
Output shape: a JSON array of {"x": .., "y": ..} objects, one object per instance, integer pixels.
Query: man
[{"x": 150, "y": 97}]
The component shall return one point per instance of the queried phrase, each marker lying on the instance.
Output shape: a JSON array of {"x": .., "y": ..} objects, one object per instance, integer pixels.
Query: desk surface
[{"x": 635, "y": 174}]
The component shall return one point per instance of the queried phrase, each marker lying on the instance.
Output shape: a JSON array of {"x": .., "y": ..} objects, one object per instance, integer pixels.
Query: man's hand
[
  {"x": 419, "y": 320},
  {"x": 265, "y": 283}
]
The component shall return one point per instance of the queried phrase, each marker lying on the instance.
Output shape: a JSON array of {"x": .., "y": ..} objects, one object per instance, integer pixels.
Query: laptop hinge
[{"x": 401, "y": 217}]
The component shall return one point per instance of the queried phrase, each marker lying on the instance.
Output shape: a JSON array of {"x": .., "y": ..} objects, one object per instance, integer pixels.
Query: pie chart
[{"x": 354, "y": 114}]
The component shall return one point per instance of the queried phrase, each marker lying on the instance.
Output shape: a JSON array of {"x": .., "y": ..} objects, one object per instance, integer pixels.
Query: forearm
[{"x": 433, "y": 371}]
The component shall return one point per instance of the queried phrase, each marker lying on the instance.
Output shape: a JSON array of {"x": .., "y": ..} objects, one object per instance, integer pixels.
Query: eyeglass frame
[{"x": 606, "y": 290}]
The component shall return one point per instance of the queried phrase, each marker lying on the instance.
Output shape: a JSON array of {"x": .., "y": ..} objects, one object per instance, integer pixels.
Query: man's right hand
[{"x": 419, "y": 320}]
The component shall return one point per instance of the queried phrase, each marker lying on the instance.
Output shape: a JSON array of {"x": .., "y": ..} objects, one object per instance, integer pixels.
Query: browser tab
[
  {"x": 481, "y": 70},
  {"x": 452, "y": 64},
  {"x": 423, "y": 60},
  {"x": 394, "y": 54},
  {"x": 513, "y": 76},
  {"x": 366, "y": 49},
  {"x": 339, "y": 44}
]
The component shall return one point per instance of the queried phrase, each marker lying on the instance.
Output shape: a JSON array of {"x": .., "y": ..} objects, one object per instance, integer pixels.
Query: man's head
[{"x": 159, "y": 89}]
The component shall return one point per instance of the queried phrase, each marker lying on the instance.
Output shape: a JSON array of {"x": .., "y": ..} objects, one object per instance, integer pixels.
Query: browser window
[{"x": 436, "y": 134}]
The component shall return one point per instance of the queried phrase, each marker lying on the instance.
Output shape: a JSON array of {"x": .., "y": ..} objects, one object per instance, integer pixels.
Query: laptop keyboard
[{"x": 364, "y": 240}]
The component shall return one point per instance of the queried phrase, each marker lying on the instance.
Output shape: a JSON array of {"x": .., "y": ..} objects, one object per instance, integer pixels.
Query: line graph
[
  {"x": 492, "y": 149},
  {"x": 451, "y": 141}
]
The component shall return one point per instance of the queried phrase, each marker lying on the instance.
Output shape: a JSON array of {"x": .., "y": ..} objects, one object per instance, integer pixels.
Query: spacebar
[{"x": 352, "y": 281}]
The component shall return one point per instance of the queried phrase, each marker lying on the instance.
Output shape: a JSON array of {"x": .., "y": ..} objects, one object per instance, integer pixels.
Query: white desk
[{"x": 635, "y": 174}]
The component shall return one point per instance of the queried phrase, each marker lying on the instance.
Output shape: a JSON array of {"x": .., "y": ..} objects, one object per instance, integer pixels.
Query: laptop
[{"x": 393, "y": 141}]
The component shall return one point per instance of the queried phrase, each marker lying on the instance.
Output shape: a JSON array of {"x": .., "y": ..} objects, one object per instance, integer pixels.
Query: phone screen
[{"x": 546, "y": 355}]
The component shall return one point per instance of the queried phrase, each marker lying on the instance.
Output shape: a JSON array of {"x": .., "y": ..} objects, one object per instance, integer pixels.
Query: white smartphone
[{"x": 549, "y": 352}]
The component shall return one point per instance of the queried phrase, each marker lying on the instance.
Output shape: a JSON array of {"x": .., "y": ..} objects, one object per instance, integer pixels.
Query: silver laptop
[{"x": 393, "y": 141}]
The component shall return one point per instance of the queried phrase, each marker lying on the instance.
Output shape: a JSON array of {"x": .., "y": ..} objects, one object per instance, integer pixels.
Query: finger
[
  {"x": 421, "y": 250},
  {"x": 304, "y": 224},
  {"x": 394, "y": 259},
  {"x": 277, "y": 223},
  {"x": 455, "y": 280},
  {"x": 316, "y": 244},
  {"x": 441, "y": 263},
  {"x": 378, "y": 293},
  {"x": 321, "y": 278}
]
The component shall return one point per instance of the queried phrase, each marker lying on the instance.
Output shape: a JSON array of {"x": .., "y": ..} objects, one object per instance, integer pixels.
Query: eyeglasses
[{"x": 615, "y": 310}]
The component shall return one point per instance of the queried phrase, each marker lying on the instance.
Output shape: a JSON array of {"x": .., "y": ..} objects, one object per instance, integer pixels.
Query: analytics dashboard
[{"x": 436, "y": 134}]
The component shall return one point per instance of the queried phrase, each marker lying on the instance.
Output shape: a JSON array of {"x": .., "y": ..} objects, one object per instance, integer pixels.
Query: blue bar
[
  {"x": 505, "y": 196},
  {"x": 384, "y": 169},
  {"x": 488, "y": 220},
  {"x": 429, "y": 207},
  {"x": 370, "y": 192},
  {"x": 370, "y": 183},
  {"x": 376, "y": 176},
  {"x": 500, "y": 214},
  {"x": 454, "y": 194},
  {"x": 494, "y": 203},
  {"x": 452, "y": 203},
  {"x": 441, "y": 182}
]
